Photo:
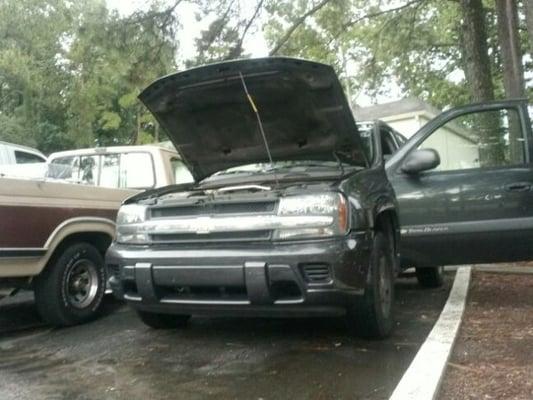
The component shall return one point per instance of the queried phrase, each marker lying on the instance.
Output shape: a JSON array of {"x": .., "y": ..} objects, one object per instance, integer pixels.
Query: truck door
[{"x": 476, "y": 205}]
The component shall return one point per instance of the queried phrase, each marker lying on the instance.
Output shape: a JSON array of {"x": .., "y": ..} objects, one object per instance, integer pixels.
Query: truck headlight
[
  {"x": 129, "y": 224},
  {"x": 333, "y": 205}
]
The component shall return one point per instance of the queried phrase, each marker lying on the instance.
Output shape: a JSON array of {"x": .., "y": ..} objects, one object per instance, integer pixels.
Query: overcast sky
[{"x": 254, "y": 44}]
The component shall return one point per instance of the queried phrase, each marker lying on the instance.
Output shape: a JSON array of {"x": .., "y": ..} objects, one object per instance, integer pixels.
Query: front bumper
[{"x": 319, "y": 277}]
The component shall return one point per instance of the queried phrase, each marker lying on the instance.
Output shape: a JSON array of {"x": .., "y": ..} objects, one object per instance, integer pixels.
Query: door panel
[{"x": 477, "y": 206}]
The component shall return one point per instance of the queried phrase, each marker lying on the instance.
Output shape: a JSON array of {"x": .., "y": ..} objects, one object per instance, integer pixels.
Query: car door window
[
  {"x": 479, "y": 140},
  {"x": 388, "y": 146},
  {"x": 23, "y": 157}
]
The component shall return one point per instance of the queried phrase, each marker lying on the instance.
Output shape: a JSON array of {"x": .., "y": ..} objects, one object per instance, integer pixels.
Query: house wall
[{"x": 456, "y": 152}]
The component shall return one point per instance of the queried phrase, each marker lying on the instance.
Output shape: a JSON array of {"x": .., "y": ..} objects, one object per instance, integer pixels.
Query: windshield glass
[{"x": 285, "y": 168}]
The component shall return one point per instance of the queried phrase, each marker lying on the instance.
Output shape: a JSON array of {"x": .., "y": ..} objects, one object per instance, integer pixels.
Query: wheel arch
[{"x": 97, "y": 231}]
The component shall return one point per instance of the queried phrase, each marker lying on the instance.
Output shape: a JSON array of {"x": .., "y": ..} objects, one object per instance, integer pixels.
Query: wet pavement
[{"x": 117, "y": 357}]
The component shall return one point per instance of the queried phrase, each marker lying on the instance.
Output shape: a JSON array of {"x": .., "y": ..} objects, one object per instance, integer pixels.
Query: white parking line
[{"x": 422, "y": 379}]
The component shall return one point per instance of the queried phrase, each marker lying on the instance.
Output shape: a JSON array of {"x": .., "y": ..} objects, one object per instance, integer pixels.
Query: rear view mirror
[{"x": 421, "y": 160}]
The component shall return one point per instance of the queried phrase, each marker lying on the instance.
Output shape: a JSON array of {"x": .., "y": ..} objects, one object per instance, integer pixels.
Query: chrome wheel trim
[{"x": 81, "y": 285}]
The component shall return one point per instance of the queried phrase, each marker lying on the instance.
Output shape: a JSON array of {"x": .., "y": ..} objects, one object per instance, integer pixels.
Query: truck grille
[
  {"x": 217, "y": 208},
  {"x": 182, "y": 223},
  {"x": 216, "y": 236}
]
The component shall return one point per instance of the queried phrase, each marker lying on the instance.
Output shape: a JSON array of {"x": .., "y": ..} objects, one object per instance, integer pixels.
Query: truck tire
[
  {"x": 373, "y": 315},
  {"x": 430, "y": 277},
  {"x": 163, "y": 321},
  {"x": 71, "y": 288}
]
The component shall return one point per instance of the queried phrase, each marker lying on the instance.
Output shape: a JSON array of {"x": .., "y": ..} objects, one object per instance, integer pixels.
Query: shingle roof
[{"x": 403, "y": 106}]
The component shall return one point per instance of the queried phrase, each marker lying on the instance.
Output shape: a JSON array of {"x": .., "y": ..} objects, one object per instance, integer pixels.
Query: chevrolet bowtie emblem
[{"x": 203, "y": 225}]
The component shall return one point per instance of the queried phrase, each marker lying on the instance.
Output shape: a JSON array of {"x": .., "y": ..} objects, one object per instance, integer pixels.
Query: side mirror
[{"x": 421, "y": 160}]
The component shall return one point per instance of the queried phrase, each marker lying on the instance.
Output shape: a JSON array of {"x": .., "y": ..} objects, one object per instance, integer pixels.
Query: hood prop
[{"x": 260, "y": 124}]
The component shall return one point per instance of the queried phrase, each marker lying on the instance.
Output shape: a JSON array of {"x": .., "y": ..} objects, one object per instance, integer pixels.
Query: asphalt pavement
[{"x": 117, "y": 357}]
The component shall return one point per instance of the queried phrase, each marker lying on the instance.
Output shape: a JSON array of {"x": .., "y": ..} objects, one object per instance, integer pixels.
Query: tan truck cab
[
  {"x": 132, "y": 167},
  {"x": 54, "y": 231}
]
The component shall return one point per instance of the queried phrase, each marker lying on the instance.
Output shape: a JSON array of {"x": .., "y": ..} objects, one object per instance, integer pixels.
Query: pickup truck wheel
[
  {"x": 430, "y": 277},
  {"x": 372, "y": 316},
  {"x": 71, "y": 288},
  {"x": 163, "y": 321}
]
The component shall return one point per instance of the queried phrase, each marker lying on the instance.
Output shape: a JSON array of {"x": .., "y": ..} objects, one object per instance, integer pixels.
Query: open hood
[{"x": 211, "y": 122}]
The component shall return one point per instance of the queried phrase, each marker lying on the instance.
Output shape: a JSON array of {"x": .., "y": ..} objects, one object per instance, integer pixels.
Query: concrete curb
[
  {"x": 503, "y": 270},
  {"x": 422, "y": 379}
]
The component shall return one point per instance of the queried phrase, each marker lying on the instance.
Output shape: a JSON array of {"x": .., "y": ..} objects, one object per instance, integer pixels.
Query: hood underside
[{"x": 213, "y": 125}]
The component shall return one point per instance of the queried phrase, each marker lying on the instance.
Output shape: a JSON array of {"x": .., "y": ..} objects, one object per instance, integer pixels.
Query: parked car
[
  {"x": 132, "y": 167},
  {"x": 21, "y": 161},
  {"x": 16, "y": 154},
  {"x": 313, "y": 232},
  {"x": 291, "y": 213},
  {"x": 53, "y": 238}
]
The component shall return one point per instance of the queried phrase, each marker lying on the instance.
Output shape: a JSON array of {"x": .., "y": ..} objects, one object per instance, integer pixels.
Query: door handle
[{"x": 518, "y": 187}]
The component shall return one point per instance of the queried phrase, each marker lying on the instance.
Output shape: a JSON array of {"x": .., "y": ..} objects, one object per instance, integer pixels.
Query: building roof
[{"x": 403, "y": 106}]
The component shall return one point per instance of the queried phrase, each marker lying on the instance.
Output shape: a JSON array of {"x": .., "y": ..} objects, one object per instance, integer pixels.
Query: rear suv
[{"x": 291, "y": 214}]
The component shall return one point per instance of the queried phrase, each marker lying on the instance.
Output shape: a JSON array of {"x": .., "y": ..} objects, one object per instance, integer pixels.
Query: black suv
[{"x": 293, "y": 211}]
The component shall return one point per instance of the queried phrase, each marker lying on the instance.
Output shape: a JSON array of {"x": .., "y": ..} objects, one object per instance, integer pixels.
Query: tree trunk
[
  {"x": 476, "y": 64},
  {"x": 475, "y": 52},
  {"x": 528, "y": 7},
  {"x": 513, "y": 71}
]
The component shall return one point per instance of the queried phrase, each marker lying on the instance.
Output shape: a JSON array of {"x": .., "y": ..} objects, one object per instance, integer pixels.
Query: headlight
[
  {"x": 333, "y": 205},
  {"x": 129, "y": 218}
]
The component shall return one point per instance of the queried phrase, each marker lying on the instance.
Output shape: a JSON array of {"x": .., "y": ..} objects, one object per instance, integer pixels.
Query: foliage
[{"x": 70, "y": 71}]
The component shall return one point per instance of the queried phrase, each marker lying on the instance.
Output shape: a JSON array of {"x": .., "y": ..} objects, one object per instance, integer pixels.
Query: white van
[
  {"x": 129, "y": 167},
  {"x": 16, "y": 154}
]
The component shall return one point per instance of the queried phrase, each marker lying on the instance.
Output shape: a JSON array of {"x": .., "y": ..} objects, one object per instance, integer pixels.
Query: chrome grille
[
  {"x": 215, "y": 236},
  {"x": 199, "y": 222},
  {"x": 216, "y": 208}
]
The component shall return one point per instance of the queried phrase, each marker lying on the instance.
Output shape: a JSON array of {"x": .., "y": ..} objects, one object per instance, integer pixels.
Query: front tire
[
  {"x": 430, "y": 277},
  {"x": 71, "y": 288},
  {"x": 373, "y": 315},
  {"x": 163, "y": 321}
]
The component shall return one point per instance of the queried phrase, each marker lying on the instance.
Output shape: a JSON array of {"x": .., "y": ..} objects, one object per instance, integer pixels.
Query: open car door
[{"x": 464, "y": 184}]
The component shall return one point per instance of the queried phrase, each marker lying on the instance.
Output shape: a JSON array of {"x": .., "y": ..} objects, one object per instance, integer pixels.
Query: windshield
[{"x": 300, "y": 167}]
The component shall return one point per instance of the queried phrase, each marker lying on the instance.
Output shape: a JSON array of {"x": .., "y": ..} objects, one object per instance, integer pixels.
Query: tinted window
[
  {"x": 23, "y": 157},
  {"x": 388, "y": 146}
]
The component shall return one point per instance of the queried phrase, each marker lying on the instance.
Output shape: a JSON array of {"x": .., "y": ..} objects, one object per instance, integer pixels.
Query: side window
[
  {"x": 110, "y": 172},
  {"x": 477, "y": 140},
  {"x": 400, "y": 139},
  {"x": 366, "y": 131},
  {"x": 180, "y": 171},
  {"x": 63, "y": 168},
  {"x": 388, "y": 147},
  {"x": 137, "y": 171},
  {"x": 88, "y": 170},
  {"x": 22, "y": 157}
]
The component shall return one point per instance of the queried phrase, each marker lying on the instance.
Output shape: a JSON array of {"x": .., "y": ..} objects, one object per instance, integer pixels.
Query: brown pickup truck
[{"x": 53, "y": 237}]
